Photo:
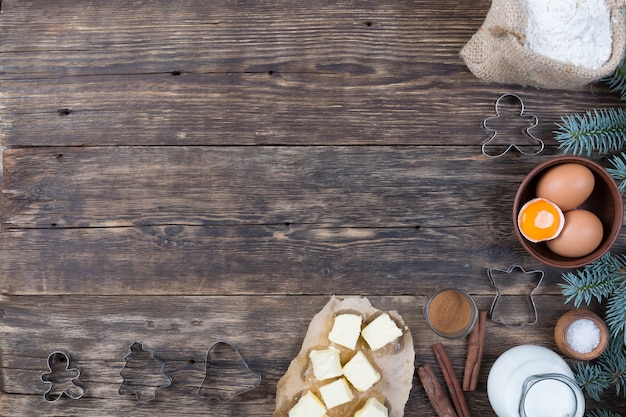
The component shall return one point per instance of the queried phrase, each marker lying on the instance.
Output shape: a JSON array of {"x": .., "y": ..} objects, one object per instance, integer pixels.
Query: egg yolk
[{"x": 540, "y": 220}]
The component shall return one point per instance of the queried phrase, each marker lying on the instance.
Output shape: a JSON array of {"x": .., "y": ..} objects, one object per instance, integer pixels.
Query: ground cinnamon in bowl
[{"x": 451, "y": 313}]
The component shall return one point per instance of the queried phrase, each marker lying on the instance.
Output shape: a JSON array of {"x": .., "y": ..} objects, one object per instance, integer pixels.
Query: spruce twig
[
  {"x": 619, "y": 170},
  {"x": 613, "y": 364},
  {"x": 616, "y": 312},
  {"x": 597, "y": 280},
  {"x": 603, "y": 130},
  {"x": 617, "y": 80},
  {"x": 592, "y": 379}
]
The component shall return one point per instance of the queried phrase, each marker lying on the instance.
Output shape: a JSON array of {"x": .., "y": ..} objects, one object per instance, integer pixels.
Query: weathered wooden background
[{"x": 184, "y": 171}]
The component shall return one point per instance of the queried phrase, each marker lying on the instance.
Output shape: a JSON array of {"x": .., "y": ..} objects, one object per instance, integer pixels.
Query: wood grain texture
[{"x": 181, "y": 171}]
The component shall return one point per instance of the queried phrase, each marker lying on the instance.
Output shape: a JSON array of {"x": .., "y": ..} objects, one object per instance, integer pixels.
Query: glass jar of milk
[{"x": 533, "y": 381}]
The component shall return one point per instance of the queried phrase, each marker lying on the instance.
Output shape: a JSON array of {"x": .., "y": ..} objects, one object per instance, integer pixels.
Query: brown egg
[
  {"x": 566, "y": 185},
  {"x": 581, "y": 234}
]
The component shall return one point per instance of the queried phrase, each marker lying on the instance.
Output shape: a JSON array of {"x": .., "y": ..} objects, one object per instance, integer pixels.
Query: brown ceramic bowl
[
  {"x": 562, "y": 326},
  {"x": 605, "y": 202}
]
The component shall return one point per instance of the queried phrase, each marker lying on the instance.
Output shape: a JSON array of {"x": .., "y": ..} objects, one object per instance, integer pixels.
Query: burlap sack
[{"x": 496, "y": 52}]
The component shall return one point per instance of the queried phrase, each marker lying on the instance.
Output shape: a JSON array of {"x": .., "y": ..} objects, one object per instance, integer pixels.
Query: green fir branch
[
  {"x": 616, "y": 312},
  {"x": 601, "y": 413},
  {"x": 619, "y": 170},
  {"x": 617, "y": 80},
  {"x": 603, "y": 130},
  {"x": 592, "y": 378},
  {"x": 613, "y": 364},
  {"x": 597, "y": 280}
]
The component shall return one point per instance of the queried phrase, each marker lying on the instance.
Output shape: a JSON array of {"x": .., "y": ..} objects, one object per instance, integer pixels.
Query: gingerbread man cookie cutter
[
  {"x": 534, "y": 141},
  {"x": 61, "y": 378}
]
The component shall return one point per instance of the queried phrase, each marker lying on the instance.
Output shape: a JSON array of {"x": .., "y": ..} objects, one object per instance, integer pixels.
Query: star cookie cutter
[
  {"x": 141, "y": 366},
  {"x": 533, "y": 139},
  {"x": 226, "y": 373},
  {"x": 61, "y": 378},
  {"x": 495, "y": 313}
]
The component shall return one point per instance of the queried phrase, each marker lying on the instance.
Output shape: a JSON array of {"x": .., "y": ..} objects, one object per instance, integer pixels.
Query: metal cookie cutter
[
  {"x": 62, "y": 378},
  {"x": 226, "y": 373},
  {"x": 495, "y": 313},
  {"x": 526, "y": 131},
  {"x": 138, "y": 373}
]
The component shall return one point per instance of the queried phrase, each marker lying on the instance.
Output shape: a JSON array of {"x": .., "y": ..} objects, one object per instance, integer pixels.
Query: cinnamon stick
[
  {"x": 458, "y": 400},
  {"x": 435, "y": 393},
  {"x": 475, "y": 353}
]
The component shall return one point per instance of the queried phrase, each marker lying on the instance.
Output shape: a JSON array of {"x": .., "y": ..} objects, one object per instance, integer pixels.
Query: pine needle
[
  {"x": 603, "y": 130},
  {"x": 601, "y": 413}
]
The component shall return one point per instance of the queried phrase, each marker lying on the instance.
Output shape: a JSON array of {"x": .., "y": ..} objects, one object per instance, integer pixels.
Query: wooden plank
[
  {"x": 324, "y": 186},
  {"x": 258, "y": 260},
  {"x": 81, "y": 37},
  {"x": 96, "y": 332},
  {"x": 251, "y": 109},
  {"x": 250, "y": 259}
]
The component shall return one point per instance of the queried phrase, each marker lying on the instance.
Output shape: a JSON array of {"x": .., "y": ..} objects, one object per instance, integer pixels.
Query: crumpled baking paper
[{"x": 395, "y": 362}]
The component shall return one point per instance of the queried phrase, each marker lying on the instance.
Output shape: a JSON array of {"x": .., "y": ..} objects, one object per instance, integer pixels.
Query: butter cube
[
  {"x": 360, "y": 372},
  {"x": 336, "y": 393},
  {"x": 346, "y": 330},
  {"x": 308, "y": 406},
  {"x": 372, "y": 408},
  {"x": 380, "y": 331},
  {"x": 326, "y": 363}
]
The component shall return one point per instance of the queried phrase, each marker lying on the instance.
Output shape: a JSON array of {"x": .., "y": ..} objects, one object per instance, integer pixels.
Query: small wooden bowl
[{"x": 563, "y": 324}]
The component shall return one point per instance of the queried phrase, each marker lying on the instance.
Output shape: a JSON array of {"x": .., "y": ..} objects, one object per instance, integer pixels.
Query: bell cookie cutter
[
  {"x": 529, "y": 295},
  {"x": 134, "y": 377},
  {"x": 226, "y": 374},
  {"x": 526, "y": 131},
  {"x": 61, "y": 378}
]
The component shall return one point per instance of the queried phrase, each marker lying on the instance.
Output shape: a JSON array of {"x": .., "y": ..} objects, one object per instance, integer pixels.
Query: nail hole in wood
[
  {"x": 368, "y": 23},
  {"x": 64, "y": 112},
  {"x": 176, "y": 72}
]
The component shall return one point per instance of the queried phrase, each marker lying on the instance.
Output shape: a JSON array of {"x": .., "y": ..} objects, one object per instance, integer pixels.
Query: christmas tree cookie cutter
[
  {"x": 140, "y": 371},
  {"x": 506, "y": 115},
  {"x": 227, "y": 374},
  {"x": 61, "y": 378},
  {"x": 505, "y": 309}
]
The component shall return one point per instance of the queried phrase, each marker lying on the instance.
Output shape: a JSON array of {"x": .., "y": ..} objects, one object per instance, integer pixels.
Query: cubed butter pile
[{"x": 357, "y": 373}]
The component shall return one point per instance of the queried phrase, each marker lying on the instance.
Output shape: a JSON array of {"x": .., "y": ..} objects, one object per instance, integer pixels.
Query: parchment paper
[{"x": 395, "y": 362}]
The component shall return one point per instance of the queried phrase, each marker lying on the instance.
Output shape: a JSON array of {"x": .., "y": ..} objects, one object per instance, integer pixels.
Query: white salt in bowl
[{"x": 581, "y": 335}]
